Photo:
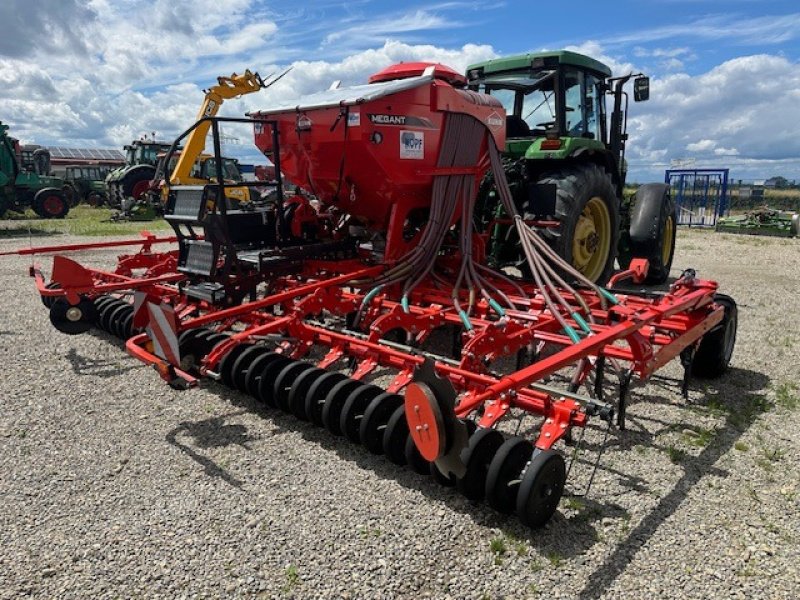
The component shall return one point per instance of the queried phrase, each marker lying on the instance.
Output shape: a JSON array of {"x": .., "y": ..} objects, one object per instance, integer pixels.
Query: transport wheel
[
  {"x": 299, "y": 391},
  {"x": 587, "y": 209},
  {"x": 414, "y": 459},
  {"x": 505, "y": 472},
  {"x": 477, "y": 457},
  {"x": 716, "y": 347},
  {"x": 652, "y": 230},
  {"x": 283, "y": 383},
  {"x": 441, "y": 478},
  {"x": 243, "y": 364},
  {"x": 228, "y": 361},
  {"x": 72, "y": 320},
  {"x": 48, "y": 300},
  {"x": 315, "y": 398},
  {"x": 253, "y": 376},
  {"x": 396, "y": 436},
  {"x": 334, "y": 403},
  {"x": 541, "y": 488},
  {"x": 353, "y": 410},
  {"x": 266, "y": 384},
  {"x": 377, "y": 415}
]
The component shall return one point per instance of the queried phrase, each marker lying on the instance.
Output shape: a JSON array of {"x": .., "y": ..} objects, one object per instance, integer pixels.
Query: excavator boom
[{"x": 226, "y": 88}]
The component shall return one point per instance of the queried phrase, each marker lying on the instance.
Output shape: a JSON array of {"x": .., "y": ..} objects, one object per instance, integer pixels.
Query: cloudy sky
[{"x": 725, "y": 86}]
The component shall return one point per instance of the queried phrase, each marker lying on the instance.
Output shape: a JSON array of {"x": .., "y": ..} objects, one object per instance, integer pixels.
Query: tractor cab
[{"x": 555, "y": 106}]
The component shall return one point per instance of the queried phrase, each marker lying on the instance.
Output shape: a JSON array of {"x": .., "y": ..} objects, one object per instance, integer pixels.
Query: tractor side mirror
[{"x": 641, "y": 89}]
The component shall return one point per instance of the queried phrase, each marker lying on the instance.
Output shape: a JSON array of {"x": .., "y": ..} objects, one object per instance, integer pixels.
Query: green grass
[
  {"x": 292, "y": 578},
  {"x": 499, "y": 549},
  {"x": 81, "y": 220},
  {"x": 676, "y": 455},
  {"x": 786, "y": 395},
  {"x": 699, "y": 437},
  {"x": 556, "y": 560},
  {"x": 741, "y": 446}
]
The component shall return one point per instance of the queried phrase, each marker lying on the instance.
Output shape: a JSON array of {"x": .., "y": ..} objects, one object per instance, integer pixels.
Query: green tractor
[
  {"x": 565, "y": 161},
  {"x": 30, "y": 186},
  {"x": 130, "y": 182},
  {"x": 85, "y": 184}
]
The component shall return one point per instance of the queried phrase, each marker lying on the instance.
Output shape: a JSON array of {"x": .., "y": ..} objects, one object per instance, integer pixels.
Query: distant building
[{"x": 60, "y": 158}]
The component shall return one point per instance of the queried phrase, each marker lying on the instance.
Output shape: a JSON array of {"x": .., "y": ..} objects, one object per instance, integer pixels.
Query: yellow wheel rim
[
  {"x": 591, "y": 242},
  {"x": 666, "y": 247}
]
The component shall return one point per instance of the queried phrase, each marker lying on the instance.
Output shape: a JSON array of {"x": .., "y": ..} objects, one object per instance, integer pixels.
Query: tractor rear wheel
[
  {"x": 95, "y": 199},
  {"x": 652, "y": 230},
  {"x": 50, "y": 203},
  {"x": 588, "y": 211}
]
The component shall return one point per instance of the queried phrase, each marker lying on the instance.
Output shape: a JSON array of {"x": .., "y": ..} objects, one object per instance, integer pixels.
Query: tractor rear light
[{"x": 551, "y": 144}]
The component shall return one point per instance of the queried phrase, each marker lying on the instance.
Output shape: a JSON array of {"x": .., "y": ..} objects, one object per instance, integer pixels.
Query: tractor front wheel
[{"x": 588, "y": 211}]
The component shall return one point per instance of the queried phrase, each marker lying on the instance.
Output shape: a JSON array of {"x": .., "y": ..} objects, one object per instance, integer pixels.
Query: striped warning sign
[{"x": 162, "y": 330}]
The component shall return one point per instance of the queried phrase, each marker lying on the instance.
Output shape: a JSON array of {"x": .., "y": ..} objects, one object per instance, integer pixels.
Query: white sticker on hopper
[{"x": 412, "y": 144}]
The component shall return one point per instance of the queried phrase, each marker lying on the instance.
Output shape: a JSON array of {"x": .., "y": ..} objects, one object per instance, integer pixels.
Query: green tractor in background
[
  {"x": 129, "y": 183},
  {"x": 85, "y": 184},
  {"x": 565, "y": 162},
  {"x": 30, "y": 186}
]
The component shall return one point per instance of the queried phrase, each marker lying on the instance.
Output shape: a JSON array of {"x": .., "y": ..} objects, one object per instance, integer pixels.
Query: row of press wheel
[
  {"x": 109, "y": 313},
  {"x": 506, "y": 472}
]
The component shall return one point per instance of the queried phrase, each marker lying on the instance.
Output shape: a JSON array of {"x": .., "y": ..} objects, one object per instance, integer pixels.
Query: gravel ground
[{"x": 114, "y": 485}]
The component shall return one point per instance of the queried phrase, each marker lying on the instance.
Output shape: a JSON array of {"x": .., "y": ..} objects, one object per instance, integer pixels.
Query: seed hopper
[{"x": 362, "y": 302}]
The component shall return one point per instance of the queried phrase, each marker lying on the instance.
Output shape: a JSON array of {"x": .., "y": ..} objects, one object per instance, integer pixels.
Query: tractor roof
[{"x": 538, "y": 60}]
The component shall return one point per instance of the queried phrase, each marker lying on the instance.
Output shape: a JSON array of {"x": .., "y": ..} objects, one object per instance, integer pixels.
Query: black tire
[
  {"x": 652, "y": 230},
  {"x": 299, "y": 391},
  {"x": 334, "y": 403},
  {"x": 714, "y": 353},
  {"x": 50, "y": 203},
  {"x": 95, "y": 199},
  {"x": 396, "y": 436},
  {"x": 133, "y": 183},
  {"x": 228, "y": 362},
  {"x": 541, "y": 488},
  {"x": 502, "y": 480},
  {"x": 72, "y": 196},
  {"x": 414, "y": 459},
  {"x": 266, "y": 390},
  {"x": 477, "y": 456},
  {"x": 252, "y": 378},
  {"x": 354, "y": 409},
  {"x": 49, "y": 300},
  {"x": 73, "y": 320},
  {"x": 285, "y": 380},
  {"x": 243, "y": 364},
  {"x": 376, "y": 417},
  {"x": 576, "y": 187},
  {"x": 318, "y": 392}
]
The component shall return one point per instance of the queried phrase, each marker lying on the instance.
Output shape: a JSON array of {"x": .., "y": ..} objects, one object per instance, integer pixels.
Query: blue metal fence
[{"x": 701, "y": 195}]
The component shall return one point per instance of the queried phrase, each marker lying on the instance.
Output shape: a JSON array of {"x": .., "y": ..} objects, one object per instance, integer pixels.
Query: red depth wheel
[{"x": 425, "y": 420}]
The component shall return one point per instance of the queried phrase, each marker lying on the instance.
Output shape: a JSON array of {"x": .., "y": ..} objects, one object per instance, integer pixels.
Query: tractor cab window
[
  {"x": 594, "y": 107},
  {"x": 529, "y": 99},
  {"x": 573, "y": 103},
  {"x": 130, "y": 155},
  {"x": 539, "y": 110},
  {"x": 147, "y": 154}
]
